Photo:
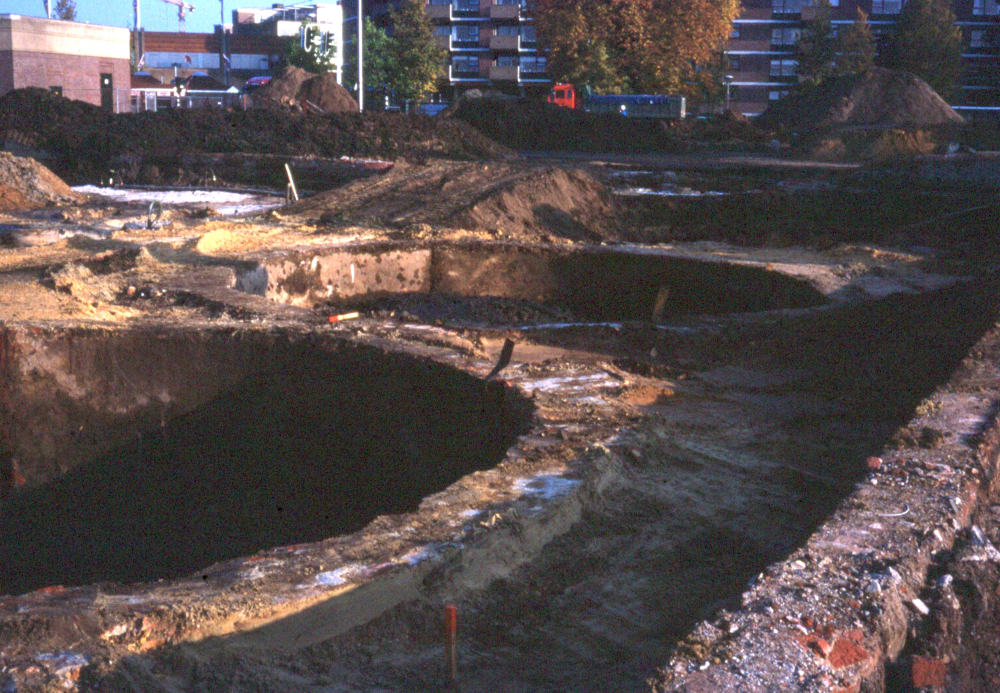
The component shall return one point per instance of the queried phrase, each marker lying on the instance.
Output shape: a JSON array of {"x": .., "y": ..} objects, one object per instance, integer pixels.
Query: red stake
[{"x": 451, "y": 642}]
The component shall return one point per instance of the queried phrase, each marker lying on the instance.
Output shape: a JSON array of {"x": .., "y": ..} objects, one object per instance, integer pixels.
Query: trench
[
  {"x": 145, "y": 455},
  {"x": 508, "y": 284}
]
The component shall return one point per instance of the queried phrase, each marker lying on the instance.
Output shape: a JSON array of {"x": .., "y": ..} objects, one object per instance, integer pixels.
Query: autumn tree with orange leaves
[{"x": 649, "y": 46}]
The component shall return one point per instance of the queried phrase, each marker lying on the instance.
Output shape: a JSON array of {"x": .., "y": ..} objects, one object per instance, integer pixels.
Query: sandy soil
[{"x": 739, "y": 435}]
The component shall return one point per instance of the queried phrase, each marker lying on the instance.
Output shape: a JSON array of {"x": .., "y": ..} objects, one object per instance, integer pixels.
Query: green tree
[
  {"x": 927, "y": 43},
  {"x": 419, "y": 61},
  {"x": 311, "y": 51},
  {"x": 856, "y": 46},
  {"x": 816, "y": 49},
  {"x": 66, "y": 10},
  {"x": 379, "y": 55},
  {"x": 659, "y": 46}
]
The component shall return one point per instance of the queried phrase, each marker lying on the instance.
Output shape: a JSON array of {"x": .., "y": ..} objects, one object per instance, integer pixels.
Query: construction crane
[{"x": 182, "y": 9}]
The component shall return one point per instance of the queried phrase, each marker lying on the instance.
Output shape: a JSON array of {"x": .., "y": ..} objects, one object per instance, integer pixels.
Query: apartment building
[
  {"x": 491, "y": 44},
  {"x": 761, "y": 48}
]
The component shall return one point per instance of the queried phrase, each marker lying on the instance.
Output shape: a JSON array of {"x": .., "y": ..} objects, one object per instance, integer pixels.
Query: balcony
[
  {"x": 505, "y": 43},
  {"x": 505, "y": 73},
  {"x": 505, "y": 11},
  {"x": 439, "y": 11}
]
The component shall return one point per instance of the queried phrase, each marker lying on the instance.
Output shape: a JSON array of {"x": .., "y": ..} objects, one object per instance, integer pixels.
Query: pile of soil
[
  {"x": 879, "y": 98},
  {"x": 532, "y": 124},
  {"x": 296, "y": 87},
  {"x": 85, "y": 140},
  {"x": 509, "y": 199},
  {"x": 567, "y": 203},
  {"x": 26, "y": 184}
]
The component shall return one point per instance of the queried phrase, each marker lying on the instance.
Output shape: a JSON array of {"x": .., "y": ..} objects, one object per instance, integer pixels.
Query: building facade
[
  {"x": 85, "y": 62},
  {"x": 491, "y": 44},
  {"x": 168, "y": 55},
  {"x": 761, "y": 48},
  {"x": 324, "y": 21}
]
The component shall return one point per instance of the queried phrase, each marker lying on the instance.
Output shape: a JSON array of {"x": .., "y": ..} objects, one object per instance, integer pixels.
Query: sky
[{"x": 155, "y": 15}]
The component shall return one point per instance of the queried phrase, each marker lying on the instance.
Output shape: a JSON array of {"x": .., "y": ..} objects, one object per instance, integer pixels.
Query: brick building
[
  {"x": 491, "y": 44},
  {"x": 168, "y": 54},
  {"x": 80, "y": 61},
  {"x": 763, "y": 67}
]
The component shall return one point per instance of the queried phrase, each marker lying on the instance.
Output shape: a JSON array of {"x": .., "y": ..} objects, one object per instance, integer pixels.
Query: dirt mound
[
  {"x": 879, "y": 98},
  {"x": 570, "y": 204},
  {"x": 294, "y": 87},
  {"x": 532, "y": 124},
  {"x": 505, "y": 199},
  {"x": 87, "y": 142},
  {"x": 26, "y": 184},
  {"x": 323, "y": 91},
  {"x": 285, "y": 86}
]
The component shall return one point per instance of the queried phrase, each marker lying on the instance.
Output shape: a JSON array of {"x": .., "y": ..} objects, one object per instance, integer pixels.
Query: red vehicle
[{"x": 563, "y": 95}]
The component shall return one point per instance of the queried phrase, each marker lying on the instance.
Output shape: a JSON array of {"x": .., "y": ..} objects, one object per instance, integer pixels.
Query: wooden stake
[
  {"x": 291, "y": 183},
  {"x": 451, "y": 642}
]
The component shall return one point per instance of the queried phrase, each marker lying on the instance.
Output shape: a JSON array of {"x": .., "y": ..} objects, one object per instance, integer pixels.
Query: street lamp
[
  {"x": 728, "y": 79},
  {"x": 361, "y": 79}
]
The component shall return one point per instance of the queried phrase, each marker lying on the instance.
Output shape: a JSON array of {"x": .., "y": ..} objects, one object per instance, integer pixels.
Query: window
[
  {"x": 977, "y": 38},
  {"x": 56, "y": 90},
  {"x": 785, "y": 36},
  {"x": 507, "y": 61},
  {"x": 985, "y": 7},
  {"x": 734, "y": 33},
  {"x": 528, "y": 33},
  {"x": 467, "y": 32},
  {"x": 442, "y": 31},
  {"x": 734, "y": 63},
  {"x": 508, "y": 30},
  {"x": 886, "y": 6},
  {"x": 462, "y": 63},
  {"x": 467, "y": 5},
  {"x": 533, "y": 64},
  {"x": 786, "y": 6},
  {"x": 784, "y": 68},
  {"x": 777, "y": 94}
]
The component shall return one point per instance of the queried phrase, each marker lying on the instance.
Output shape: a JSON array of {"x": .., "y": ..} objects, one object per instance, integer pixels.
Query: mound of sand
[
  {"x": 566, "y": 203},
  {"x": 323, "y": 91},
  {"x": 85, "y": 141},
  {"x": 509, "y": 198},
  {"x": 877, "y": 99},
  {"x": 293, "y": 86},
  {"x": 26, "y": 184}
]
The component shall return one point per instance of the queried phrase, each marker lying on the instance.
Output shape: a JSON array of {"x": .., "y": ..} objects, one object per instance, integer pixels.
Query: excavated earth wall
[{"x": 595, "y": 513}]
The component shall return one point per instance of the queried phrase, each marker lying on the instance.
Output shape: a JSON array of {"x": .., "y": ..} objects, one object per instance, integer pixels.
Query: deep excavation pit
[
  {"x": 511, "y": 285},
  {"x": 150, "y": 454},
  {"x": 693, "y": 464}
]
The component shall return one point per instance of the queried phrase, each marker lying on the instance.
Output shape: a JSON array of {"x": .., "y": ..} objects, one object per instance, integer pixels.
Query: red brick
[
  {"x": 846, "y": 653},
  {"x": 928, "y": 672}
]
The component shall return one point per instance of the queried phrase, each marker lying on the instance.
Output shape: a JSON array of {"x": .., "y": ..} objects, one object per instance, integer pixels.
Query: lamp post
[
  {"x": 361, "y": 79},
  {"x": 728, "y": 79}
]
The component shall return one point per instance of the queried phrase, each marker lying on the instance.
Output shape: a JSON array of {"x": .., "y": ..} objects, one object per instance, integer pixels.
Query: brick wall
[
  {"x": 6, "y": 72},
  {"x": 79, "y": 76}
]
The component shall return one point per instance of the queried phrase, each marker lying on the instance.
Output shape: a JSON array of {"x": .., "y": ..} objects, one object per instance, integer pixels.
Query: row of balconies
[
  {"x": 502, "y": 73},
  {"x": 497, "y": 43},
  {"x": 501, "y": 12}
]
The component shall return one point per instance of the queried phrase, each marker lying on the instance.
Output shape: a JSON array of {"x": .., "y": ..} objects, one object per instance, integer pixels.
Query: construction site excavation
[{"x": 710, "y": 410}]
